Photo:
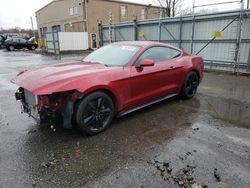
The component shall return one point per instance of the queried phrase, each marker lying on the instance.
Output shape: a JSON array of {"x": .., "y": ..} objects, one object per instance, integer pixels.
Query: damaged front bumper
[
  {"x": 50, "y": 110},
  {"x": 40, "y": 115},
  {"x": 30, "y": 106}
]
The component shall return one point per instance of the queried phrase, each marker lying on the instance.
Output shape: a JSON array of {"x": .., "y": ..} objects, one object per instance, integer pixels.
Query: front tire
[
  {"x": 190, "y": 85},
  {"x": 32, "y": 47},
  {"x": 95, "y": 113}
]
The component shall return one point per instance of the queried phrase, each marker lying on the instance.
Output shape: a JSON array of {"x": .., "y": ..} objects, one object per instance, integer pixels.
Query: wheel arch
[
  {"x": 196, "y": 71},
  {"x": 183, "y": 92},
  {"x": 107, "y": 91}
]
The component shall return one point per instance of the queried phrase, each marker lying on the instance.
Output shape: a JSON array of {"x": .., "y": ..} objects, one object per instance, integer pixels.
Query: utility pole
[
  {"x": 32, "y": 26},
  {"x": 193, "y": 25},
  {"x": 248, "y": 4},
  {"x": 110, "y": 27},
  {"x": 84, "y": 15},
  {"x": 159, "y": 26}
]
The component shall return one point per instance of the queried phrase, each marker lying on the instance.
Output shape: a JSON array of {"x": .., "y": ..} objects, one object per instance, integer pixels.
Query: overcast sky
[{"x": 17, "y": 13}]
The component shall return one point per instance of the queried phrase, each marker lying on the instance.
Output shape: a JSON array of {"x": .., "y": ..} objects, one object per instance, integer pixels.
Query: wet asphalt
[{"x": 200, "y": 142}]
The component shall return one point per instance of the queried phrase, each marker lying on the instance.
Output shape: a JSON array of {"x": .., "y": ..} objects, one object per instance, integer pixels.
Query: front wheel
[
  {"x": 190, "y": 85},
  {"x": 32, "y": 47},
  {"x": 94, "y": 113}
]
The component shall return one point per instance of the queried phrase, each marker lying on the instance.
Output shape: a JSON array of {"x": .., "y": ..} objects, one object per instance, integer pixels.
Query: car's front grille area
[{"x": 29, "y": 98}]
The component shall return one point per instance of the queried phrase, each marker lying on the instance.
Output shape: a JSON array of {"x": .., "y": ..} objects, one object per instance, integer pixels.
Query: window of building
[
  {"x": 45, "y": 29},
  {"x": 43, "y": 32},
  {"x": 73, "y": 11},
  {"x": 159, "y": 54},
  {"x": 56, "y": 28},
  {"x": 143, "y": 14},
  {"x": 124, "y": 11}
]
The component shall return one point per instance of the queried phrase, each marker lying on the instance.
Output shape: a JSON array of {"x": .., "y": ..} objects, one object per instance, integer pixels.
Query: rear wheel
[
  {"x": 11, "y": 48},
  {"x": 95, "y": 113},
  {"x": 190, "y": 85}
]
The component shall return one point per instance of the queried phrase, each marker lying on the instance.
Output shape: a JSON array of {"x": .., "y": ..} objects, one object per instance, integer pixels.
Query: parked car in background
[
  {"x": 19, "y": 43},
  {"x": 112, "y": 81},
  {"x": 2, "y": 39}
]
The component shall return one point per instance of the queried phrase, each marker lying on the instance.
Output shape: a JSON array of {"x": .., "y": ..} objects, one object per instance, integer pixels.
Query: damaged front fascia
[
  {"x": 67, "y": 108},
  {"x": 51, "y": 106}
]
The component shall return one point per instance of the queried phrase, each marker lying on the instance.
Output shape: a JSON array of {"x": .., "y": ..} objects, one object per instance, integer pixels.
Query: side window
[
  {"x": 159, "y": 54},
  {"x": 22, "y": 41},
  {"x": 15, "y": 40}
]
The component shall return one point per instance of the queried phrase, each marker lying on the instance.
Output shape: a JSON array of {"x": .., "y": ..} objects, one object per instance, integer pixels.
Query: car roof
[{"x": 145, "y": 44}]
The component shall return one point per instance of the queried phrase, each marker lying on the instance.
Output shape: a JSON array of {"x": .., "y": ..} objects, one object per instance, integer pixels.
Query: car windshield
[
  {"x": 9, "y": 39},
  {"x": 113, "y": 55},
  {"x": 31, "y": 39}
]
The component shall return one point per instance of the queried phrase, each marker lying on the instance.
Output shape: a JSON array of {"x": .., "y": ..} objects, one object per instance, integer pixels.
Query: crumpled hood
[{"x": 59, "y": 77}]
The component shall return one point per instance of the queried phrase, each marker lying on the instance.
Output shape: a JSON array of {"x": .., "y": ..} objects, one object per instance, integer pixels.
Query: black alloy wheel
[
  {"x": 32, "y": 47},
  {"x": 95, "y": 113},
  {"x": 190, "y": 86}
]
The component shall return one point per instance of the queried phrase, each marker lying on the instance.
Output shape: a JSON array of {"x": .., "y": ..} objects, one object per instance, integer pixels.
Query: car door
[
  {"x": 17, "y": 43},
  {"x": 151, "y": 83},
  {"x": 22, "y": 43},
  {"x": 14, "y": 42}
]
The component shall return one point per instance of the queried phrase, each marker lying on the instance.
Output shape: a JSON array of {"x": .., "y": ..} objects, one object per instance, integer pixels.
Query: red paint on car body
[{"x": 131, "y": 86}]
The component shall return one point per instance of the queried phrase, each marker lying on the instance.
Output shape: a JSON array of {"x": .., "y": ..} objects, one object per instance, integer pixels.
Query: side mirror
[{"x": 146, "y": 63}]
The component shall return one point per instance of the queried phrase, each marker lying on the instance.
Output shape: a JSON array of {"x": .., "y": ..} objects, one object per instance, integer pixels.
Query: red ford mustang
[{"x": 112, "y": 81}]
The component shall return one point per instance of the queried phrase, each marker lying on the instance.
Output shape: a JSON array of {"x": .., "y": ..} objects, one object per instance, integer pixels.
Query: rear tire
[
  {"x": 95, "y": 113},
  {"x": 190, "y": 85},
  {"x": 11, "y": 48}
]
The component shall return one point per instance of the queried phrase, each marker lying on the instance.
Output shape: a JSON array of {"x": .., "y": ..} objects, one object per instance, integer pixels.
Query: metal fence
[
  {"x": 195, "y": 34},
  {"x": 52, "y": 44},
  {"x": 58, "y": 42},
  {"x": 73, "y": 41}
]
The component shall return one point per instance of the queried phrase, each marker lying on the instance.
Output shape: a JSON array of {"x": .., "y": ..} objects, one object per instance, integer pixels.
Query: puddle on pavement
[{"x": 229, "y": 110}]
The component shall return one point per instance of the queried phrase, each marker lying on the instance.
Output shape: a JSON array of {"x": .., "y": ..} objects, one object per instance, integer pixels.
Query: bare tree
[
  {"x": 171, "y": 7},
  {"x": 29, "y": 32},
  {"x": 186, "y": 11},
  {"x": 190, "y": 11}
]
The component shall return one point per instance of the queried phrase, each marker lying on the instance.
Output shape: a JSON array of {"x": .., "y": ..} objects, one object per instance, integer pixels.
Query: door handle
[{"x": 175, "y": 67}]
